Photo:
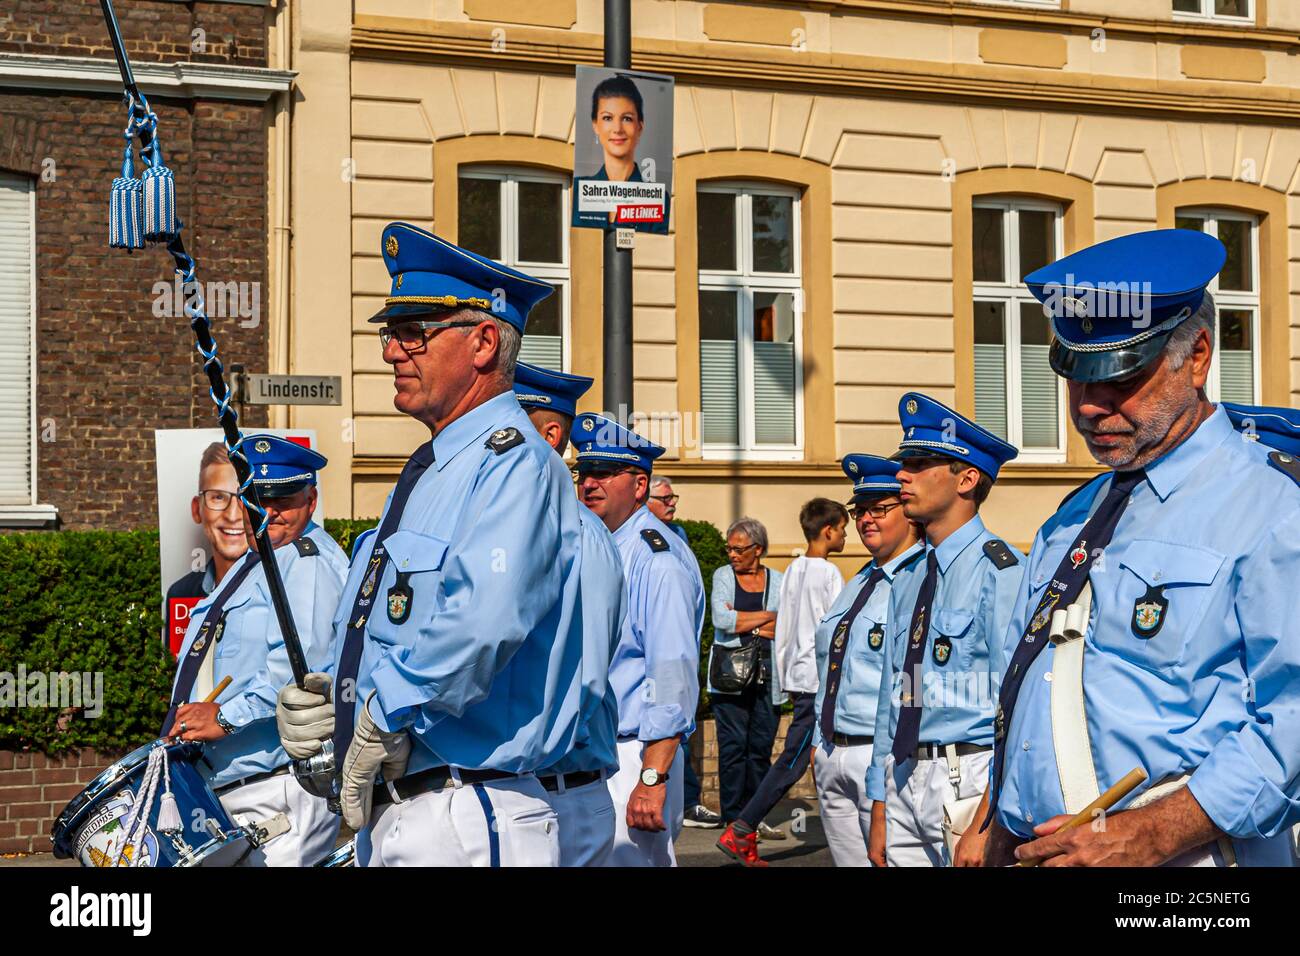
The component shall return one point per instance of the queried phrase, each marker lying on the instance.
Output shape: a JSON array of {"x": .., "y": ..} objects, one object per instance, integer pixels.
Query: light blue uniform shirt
[
  {"x": 973, "y": 601},
  {"x": 604, "y": 605},
  {"x": 1214, "y": 691},
  {"x": 724, "y": 621},
  {"x": 855, "y": 704},
  {"x": 251, "y": 651},
  {"x": 655, "y": 671},
  {"x": 485, "y": 670}
]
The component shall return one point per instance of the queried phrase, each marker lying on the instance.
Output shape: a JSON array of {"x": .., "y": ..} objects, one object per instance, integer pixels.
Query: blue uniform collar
[
  {"x": 634, "y": 523},
  {"x": 1167, "y": 472},
  {"x": 890, "y": 568},
  {"x": 456, "y": 437},
  {"x": 956, "y": 542}
]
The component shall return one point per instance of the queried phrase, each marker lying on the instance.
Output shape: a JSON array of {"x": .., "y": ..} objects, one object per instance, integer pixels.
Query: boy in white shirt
[{"x": 808, "y": 590}]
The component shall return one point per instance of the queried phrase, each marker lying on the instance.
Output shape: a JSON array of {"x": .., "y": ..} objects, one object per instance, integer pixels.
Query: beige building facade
[{"x": 858, "y": 187}]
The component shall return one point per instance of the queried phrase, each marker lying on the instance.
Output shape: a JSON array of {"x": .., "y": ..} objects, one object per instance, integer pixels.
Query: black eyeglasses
[
  {"x": 410, "y": 335},
  {"x": 217, "y": 501},
  {"x": 667, "y": 499},
  {"x": 876, "y": 511},
  {"x": 600, "y": 473},
  {"x": 739, "y": 549}
]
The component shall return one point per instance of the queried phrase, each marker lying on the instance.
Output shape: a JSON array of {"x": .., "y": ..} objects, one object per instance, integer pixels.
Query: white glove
[
  {"x": 305, "y": 716},
  {"x": 373, "y": 750}
]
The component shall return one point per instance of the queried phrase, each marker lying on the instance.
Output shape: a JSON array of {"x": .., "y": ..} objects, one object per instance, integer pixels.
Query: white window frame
[
  {"x": 1233, "y": 299},
  {"x": 1012, "y": 293},
  {"x": 745, "y": 281},
  {"x": 1207, "y": 14},
  {"x": 31, "y": 514},
  {"x": 556, "y": 273}
]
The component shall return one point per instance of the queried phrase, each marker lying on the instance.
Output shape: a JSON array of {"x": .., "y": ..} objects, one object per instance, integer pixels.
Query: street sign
[{"x": 294, "y": 390}]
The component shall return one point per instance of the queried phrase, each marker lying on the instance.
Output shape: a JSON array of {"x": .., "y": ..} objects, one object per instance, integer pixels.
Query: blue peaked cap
[
  {"x": 932, "y": 428},
  {"x": 432, "y": 275},
  {"x": 601, "y": 441},
  {"x": 1114, "y": 305},
  {"x": 538, "y": 387},
  {"x": 280, "y": 467},
  {"x": 872, "y": 476},
  {"x": 1277, "y": 428}
]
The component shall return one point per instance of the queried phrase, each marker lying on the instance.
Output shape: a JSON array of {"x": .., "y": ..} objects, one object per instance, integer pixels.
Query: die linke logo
[
  {"x": 76, "y": 909},
  {"x": 639, "y": 213}
]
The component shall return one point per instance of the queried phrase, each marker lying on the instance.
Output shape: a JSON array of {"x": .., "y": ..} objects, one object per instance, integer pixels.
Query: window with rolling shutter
[
  {"x": 1234, "y": 369},
  {"x": 17, "y": 251},
  {"x": 1017, "y": 395},
  {"x": 518, "y": 218},
  {"x": 751, "y": 322}
]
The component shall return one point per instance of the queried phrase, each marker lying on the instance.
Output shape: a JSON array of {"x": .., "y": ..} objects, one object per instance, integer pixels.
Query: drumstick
[
  {"x": 225, "y": 682},
  {"x": 1127, "y": 784}
]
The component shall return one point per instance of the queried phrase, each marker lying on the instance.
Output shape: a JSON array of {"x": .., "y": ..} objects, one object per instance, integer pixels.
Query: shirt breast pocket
[
  {"x": 951, "y": 647},
  {"x": 1160, "y": 596},
  {"x": 239, "y": 617},
  {"x": 409, "y": 592},
  {"x": 868, "y": 638}
]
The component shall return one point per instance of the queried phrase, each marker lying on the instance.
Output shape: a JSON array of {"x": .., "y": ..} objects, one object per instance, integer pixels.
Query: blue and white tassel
[
  {"x": 159, "y": 198},
  {"x": 126, "y": 206}
]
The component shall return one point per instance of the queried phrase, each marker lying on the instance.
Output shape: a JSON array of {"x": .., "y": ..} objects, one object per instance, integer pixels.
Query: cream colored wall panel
[
  {"x": 367, "y": 356},
  {"x": 905, "y": 369},
  {"x": 655, "y": 251},
  {"x": 789, "y": 122},
  {"x": 716, "y": 113},
  {"x": 1108, "y": 55},
  {"x": 1132, "y": 203},
  {"x": 893, "y": 298},
  {"x": 826, "y": 124},
  {"x": 898, "y": 190},
  {"x": 657, "y": 398},
  {"x": 363, "y": 307},
  {"x": 925, "y": 333},
  {"x": 397, "y": 435},
  {"x": 392, "y": 198},
  {"x": 1114, "y": 228},
  {"x": 892, "y": 261},
  {"x": 555, "y": 119},
  {"x": 654, "y": 362},
  {"x": 366, "y": 233},
  {"x": 369, "y": 276},
  {"x": 390, "y": 120},
  {"x": 1123, "y": 167},
  {"x": 1142, "y": 9},
  {"x": 369, "y": 496},
  {"x": 890, "y": 153},
  {"x": 881, "y": 440},
  {"x": 990, "y": 132},
  {"x": 1158, "y": 149},
  {"x": 1090, "y": 141},
  {"x": 867, "y": 404},
  {"x": 653, "y": 18},
  {"x": 931, "y": 227},
  {"x": 1220, "y": 150},
  {"x": 517, "y": 94},
  {"x": 373, "y": 394},
  {"x": 1189, "y": 149},
  {"x": 1283, "y": 158},
  {"x": 1283, "y": 15},
  {"x": 887, "y": 36},
  {"x": 476, "y": 92},
  {"x": 442, "y": 104},
  {"x": 651, "y": 324},
  {"x": 409, "y": 9},
  {"x": 653, "y": 287},
  {"x": 376, "y": 158},
  {"x": 1023, "y": 132},
  {"x": 686, "y": 125},
  {"x": 1252, "y": 153},
  {"x": 753, "y": 120},
  {"x": 1056, "y": 140}
]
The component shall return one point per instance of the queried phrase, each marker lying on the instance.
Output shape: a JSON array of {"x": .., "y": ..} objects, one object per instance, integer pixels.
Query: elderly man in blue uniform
[
  {"x": 850, "y": 644},
  {"x": 948, "y": 617},
  {"x": 460, "y": 666},
  {"x": 234, "y": 632},
  {"x": 655, "y": 670},
  {"x": 1172, "y": 577},
  {"x": 576, "y": 783}
]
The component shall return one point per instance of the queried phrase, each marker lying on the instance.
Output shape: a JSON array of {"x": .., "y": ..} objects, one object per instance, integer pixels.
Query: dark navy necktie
[
  {"x": 908, "y": 732},
  {"x": 1062, "y": 591},
  {"x": 839, "y": 643},
  {"x": 354, "y": 642},
  {"x": 209, "y": 634}
]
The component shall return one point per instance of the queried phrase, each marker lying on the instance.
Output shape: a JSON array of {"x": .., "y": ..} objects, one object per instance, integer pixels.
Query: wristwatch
[
  {"x": 224, "y": 724},
  {"x": 652, "y": 777}
]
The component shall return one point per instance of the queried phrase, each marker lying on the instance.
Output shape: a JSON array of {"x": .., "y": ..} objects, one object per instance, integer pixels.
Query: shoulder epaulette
[
  {"x": 654, "y": 539},
  {"x": 1289, "y": 465},
  {"x": 306, "y": 547},
  {"x": 503, "y": 439},
  {"x": 1001, "y": 555}
]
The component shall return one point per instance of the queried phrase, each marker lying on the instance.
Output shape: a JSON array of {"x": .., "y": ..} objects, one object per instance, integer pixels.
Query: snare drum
[
  {"x": 343, "y": 856},
  {"x": 92, "y": 828}
]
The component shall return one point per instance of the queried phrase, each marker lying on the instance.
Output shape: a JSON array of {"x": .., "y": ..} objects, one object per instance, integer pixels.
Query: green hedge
[
  {"x": 88, "y": 601},
  {"x": 710, "y": 550}
]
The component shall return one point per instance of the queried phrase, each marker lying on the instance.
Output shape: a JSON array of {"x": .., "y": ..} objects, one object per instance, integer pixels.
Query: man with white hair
[{"x": 1174, "y": 574}]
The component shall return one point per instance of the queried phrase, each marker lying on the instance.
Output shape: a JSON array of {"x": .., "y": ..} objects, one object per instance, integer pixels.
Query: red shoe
[{"x": 741, "y": 848}]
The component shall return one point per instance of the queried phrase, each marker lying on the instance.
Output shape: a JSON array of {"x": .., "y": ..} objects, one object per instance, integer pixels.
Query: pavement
[{"x": 805, "y": 845}]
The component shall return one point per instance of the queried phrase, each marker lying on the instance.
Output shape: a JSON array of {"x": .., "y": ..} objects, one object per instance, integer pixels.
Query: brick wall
[
  {"x": 704, "y": 757},
  {"x": 110, "y": 371},
  {"x": 35, "y": 788}
]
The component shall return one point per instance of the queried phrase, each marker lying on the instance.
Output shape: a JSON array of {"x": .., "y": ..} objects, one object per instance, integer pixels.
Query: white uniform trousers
[
  {"x": 586, "y": 816},
  {"x": 313, "y": 830},
  {"x": 504, "y": 822},
  {"x": 641, "y": 847},
  {"x": 841, "y": 777},
  {"x": 915, "y": 793}
]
